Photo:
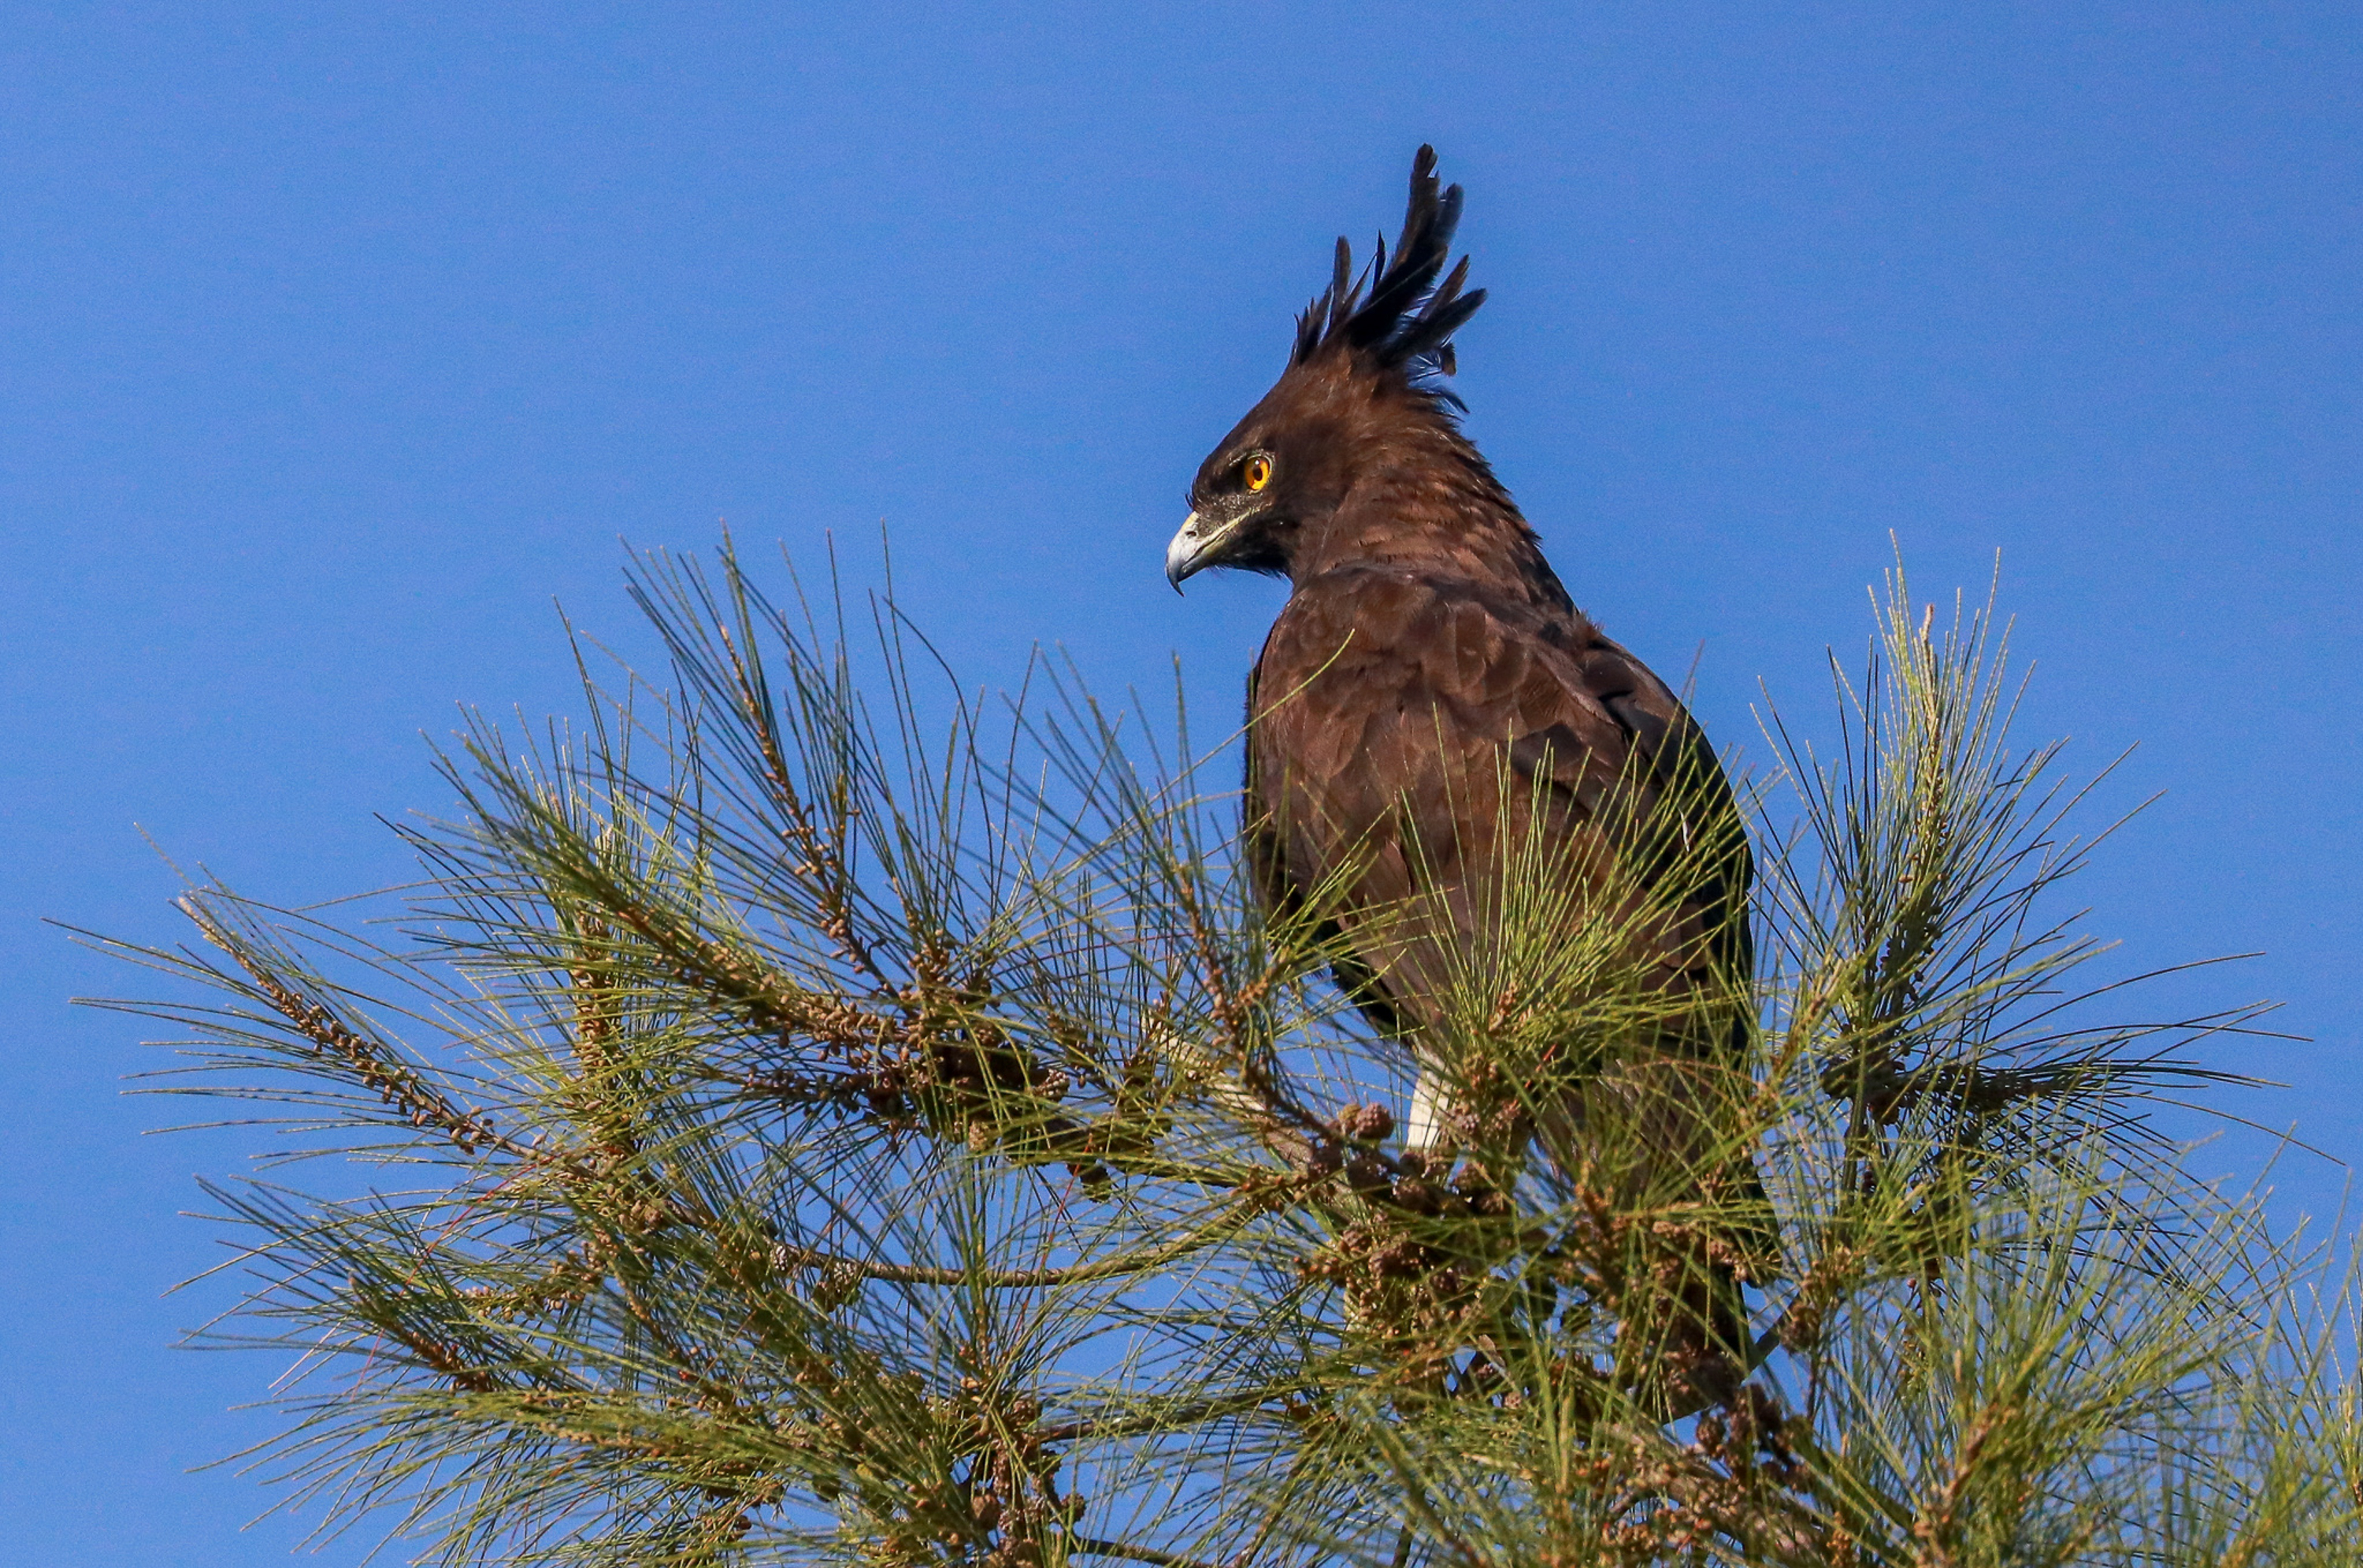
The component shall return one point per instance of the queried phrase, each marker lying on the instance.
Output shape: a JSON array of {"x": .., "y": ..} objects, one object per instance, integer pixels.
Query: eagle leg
[{"x": 1424, "y": 1130}]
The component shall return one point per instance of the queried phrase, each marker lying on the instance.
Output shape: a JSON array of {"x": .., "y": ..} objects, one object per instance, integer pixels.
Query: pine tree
[{"x": 799, "y": 1119}]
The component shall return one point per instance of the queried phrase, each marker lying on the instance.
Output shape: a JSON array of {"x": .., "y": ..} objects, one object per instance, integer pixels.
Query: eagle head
[{"x": 1372, "y": 354}]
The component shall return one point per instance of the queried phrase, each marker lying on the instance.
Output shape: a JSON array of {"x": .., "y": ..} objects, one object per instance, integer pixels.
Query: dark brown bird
[{"x": 1430, "y": 697}]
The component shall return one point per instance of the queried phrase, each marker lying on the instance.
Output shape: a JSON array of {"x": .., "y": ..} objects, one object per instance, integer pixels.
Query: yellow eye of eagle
[{"x": 1258, "y": 473}]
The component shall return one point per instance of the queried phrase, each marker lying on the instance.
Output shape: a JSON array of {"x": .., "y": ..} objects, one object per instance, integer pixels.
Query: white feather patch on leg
[{"x": 1424, "y": 1126}]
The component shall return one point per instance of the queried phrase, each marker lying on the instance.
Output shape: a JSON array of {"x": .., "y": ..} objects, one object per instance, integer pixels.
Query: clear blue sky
[{"x": 337, "y": 340}]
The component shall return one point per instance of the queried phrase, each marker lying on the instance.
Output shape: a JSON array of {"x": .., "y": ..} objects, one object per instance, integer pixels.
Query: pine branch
[{"x": 813, "y": 999}]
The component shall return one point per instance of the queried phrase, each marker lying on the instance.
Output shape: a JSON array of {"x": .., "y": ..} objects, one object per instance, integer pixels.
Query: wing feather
[{"x": 1408, "y": 693}]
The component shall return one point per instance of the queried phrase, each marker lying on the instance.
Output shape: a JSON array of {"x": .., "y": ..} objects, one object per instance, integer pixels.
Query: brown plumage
[{"x": 1430, "y": 697}]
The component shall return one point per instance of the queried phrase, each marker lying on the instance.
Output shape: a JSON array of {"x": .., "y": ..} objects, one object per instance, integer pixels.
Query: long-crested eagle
[{"x": 1430, "y": 700}]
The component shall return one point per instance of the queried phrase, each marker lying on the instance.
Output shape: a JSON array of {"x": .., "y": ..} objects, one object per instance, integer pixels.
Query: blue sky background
[{"x": 336, "y": 341}]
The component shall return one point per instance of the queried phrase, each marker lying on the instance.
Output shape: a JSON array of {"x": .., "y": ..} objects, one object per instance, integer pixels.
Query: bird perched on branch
[{"x": 1430, "y": 699}]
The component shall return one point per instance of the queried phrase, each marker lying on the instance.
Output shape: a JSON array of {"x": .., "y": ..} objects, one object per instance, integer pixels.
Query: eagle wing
[{"x": 1388, "y": 710}]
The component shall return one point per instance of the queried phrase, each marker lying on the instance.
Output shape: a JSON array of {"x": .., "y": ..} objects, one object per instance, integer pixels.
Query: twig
[
  {"x": 400, "y": 1085},
  {"x": 1026, "y": 1279},
  {"x": 1093, "y": 1546}
]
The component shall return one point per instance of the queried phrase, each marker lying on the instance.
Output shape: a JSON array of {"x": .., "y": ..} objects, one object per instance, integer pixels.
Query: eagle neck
[{"x": 1426, "y": 500}]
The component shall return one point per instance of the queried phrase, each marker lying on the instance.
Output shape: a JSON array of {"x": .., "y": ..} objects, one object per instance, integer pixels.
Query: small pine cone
[
  {"x": 839, "y": 1284},
  {"x": 979, "y": 1137},
  {"x": 1475, "y": 1184},
  {"x": 1417, "y": 1195},
  {"x": 1800, "y": 1326}
]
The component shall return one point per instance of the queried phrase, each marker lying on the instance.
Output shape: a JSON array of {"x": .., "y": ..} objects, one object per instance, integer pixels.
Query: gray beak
[{"x": 1188, "y": 550}]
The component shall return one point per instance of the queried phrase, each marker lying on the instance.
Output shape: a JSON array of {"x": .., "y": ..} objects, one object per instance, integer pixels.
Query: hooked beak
[{"x": 1190, "y": 548}]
